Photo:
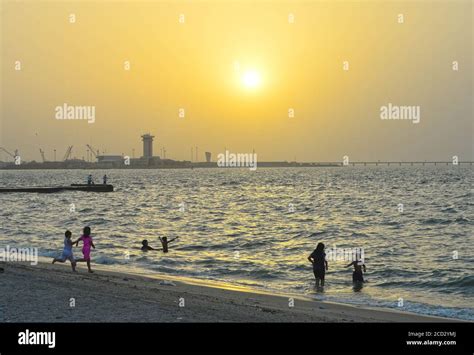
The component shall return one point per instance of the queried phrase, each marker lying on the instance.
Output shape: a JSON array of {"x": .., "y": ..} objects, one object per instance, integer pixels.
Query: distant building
[
  {"x": 109, "y": 158},
  {"x": 147, "y": 145},
  {"x": 208, "y": 157}
]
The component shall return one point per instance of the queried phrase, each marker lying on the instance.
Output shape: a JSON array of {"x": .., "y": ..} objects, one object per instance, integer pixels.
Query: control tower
[{"x": 147, "y": 145}]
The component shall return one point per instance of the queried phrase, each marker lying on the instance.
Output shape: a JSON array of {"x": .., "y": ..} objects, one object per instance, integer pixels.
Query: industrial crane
[
  {"x": 68, "y": 153},
  {"x": 14, "y": 156},
  {"x": 42, "y": 155},
  {"x": 91, "y": 149}
]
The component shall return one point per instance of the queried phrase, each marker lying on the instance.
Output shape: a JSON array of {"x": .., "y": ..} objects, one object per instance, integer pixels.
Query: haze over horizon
[{"x": 237, "y": 69}]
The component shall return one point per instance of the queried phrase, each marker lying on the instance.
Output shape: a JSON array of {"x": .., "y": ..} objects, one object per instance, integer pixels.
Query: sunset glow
[{"x": 251, "y": 79}]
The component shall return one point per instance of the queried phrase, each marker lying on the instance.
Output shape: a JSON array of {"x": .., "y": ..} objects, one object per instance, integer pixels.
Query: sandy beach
[{"x": 43, "y": 292}]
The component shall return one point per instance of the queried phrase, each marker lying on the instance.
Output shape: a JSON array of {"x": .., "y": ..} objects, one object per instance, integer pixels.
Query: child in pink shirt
[{"x": 86, "y": 247}]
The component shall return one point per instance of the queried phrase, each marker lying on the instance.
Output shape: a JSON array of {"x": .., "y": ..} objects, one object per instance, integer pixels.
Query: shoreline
[{"x": 53, "y": 293}]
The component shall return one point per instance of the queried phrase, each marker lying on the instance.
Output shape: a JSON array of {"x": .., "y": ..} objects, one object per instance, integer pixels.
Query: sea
[{"x": 255, "y": 229}]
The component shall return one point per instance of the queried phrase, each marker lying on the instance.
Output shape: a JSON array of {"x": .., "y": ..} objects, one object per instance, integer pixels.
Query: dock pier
[{"x": 72, "y": 187}]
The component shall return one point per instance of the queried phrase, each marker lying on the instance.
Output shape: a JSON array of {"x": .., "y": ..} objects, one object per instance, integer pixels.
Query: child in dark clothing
[
  {"x": 145, "y": 246},
  {"x": 357, "y": 275},
  {"x": 164, "y": 242}
]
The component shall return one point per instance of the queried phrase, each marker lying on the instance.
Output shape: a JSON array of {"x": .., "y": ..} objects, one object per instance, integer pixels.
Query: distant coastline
[{"x": 174, "y": 164}]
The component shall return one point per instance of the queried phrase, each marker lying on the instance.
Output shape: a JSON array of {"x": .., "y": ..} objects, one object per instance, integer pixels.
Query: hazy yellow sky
[{"x": 192, "y": 66}]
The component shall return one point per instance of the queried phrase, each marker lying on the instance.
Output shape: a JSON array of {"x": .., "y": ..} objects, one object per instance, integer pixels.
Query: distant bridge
[{"x": 400, "y": 163}]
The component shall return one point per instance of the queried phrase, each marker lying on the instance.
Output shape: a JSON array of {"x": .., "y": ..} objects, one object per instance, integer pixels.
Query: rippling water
[{"x": 257, "y": 228}]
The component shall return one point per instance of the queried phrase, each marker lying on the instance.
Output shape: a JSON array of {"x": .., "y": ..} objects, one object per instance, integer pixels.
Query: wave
[
  {"x": 414, "y": 307},
  {"x": 230, "y": 183},
  {"x": 391, "y": 274},
  {"x": 462, "y": 220},
  {"x": 359, "y": 235},
  {"x": 261, "y": 274},
  {"x": 392, "y": 223},
  {"x": 118, "y": 236},
  {"x": 461, "y": 284},
  {"x": 252, "y": 244},
  {"x": 432, "y": 221},
  {"x": 50, "y": 253},
  {"x": 96, "y": 221},
  {"x": 87, "y": 209},
  {"x": 449, "y": 210},
  {"x": 107, "y": 260},
  {"x": 224, "y": 246},
  {"x": 316, "y": 234},
  {"x": 466, "y": 195},
  {"x": 308, "y": 219}
]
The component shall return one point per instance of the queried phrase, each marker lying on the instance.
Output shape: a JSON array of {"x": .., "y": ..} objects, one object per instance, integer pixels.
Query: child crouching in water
[
  {"x": 86, "y": 239},
  {"x": 67, "y": 251}
]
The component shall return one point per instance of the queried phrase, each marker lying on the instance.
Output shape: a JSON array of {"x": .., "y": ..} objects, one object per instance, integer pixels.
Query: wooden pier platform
[{"x": 73, "y": 187}]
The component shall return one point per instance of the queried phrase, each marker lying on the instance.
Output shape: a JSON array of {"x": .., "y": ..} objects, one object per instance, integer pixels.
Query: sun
[{"x": 251, "y": 79}]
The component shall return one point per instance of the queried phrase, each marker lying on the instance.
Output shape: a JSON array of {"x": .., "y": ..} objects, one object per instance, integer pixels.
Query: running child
[
  {"x": 86, "y": 239},
  {"x": 67, "y": 251}
]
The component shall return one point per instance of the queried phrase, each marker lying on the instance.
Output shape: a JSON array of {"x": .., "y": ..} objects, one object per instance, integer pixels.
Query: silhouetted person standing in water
[
  {"x": 164, "y": 242},
  {"x": 105, "y": 179},
  {"x": 320, "y": 265},
  {"x": 357, "y": 275}
]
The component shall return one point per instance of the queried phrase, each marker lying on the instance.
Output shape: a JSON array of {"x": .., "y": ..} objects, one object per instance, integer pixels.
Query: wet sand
[{"x": 53, "y": 293}]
